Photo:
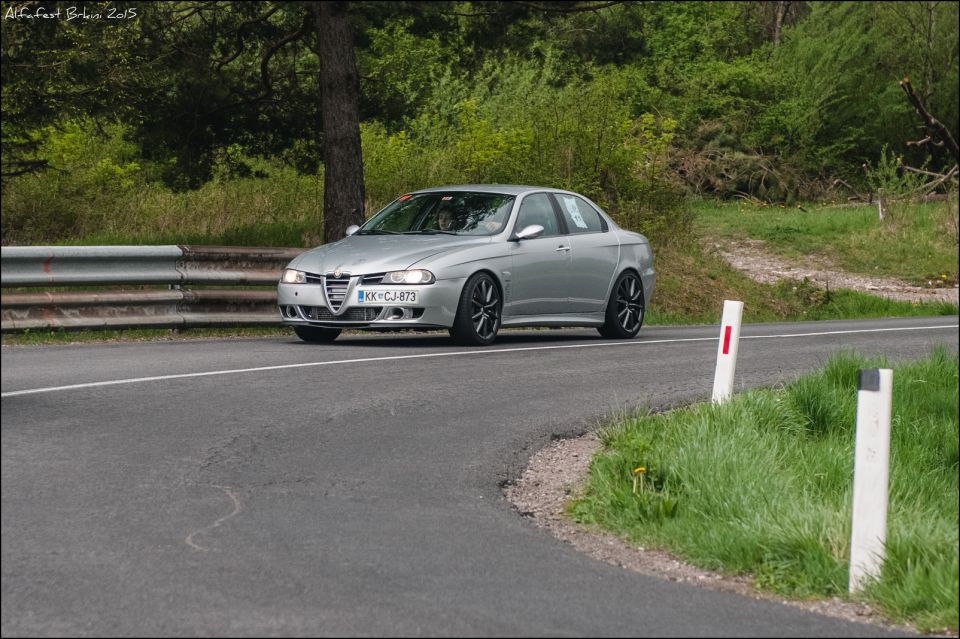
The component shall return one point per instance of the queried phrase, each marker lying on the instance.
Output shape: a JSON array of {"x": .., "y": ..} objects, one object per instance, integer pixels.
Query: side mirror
[
  {"x": 353, "y": 228},
  {"x": 528, "y": 233}
]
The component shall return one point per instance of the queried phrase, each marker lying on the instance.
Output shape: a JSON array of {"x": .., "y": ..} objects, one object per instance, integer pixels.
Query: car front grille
[
  {"x": 336, "y": 287},
  {"x": 336, "y": 290},
  {"x": 322, "y": 314}
]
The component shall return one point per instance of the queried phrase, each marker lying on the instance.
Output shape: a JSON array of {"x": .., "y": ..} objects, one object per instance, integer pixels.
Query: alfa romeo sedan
[{"x": 473, "y": 259}]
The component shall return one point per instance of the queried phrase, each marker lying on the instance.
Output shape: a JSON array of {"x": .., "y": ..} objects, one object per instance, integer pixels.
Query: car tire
[
  {"x": 625, "y": 309},
  {"x": 478, "y": 312},
  {"x": 316, "y": 334}
]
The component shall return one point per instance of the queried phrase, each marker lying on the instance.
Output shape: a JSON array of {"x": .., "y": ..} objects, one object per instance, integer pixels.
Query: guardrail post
[
  {"x": 727, "y": 351},
  {"x": 871, "y": 472}
]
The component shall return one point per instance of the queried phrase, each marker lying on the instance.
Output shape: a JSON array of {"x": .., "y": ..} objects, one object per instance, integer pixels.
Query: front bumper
[{"x": 307, "y": 305}]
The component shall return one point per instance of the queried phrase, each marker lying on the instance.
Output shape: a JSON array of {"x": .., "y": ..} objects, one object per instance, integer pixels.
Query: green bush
[
  {"x": 518, "y": 127},
  {"x": 99, "y": 189},
  {"x": 889, "y": 179},
  {"x": 91, "y": 168}
]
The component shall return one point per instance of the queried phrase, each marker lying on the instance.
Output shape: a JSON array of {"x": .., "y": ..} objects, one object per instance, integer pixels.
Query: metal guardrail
[{"x": 176, "y": 267}]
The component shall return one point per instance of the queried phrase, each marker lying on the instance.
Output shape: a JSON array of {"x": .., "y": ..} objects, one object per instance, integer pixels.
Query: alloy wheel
[
  {"x": 630, "y": 304},
  {"x": 485, "y": 309}
]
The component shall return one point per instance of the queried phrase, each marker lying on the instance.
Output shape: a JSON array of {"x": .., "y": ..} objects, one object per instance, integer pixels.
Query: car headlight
[
  {"x": 413, "y": 276},
  {"x": 293, "y": 276}
]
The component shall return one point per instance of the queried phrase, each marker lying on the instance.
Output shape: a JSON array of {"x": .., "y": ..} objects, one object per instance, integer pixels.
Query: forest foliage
[{"x": 635, "y": 104}]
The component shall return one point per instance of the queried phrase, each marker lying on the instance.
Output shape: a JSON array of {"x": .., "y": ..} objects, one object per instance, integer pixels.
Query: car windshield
[{"x": 453, "y": 213}]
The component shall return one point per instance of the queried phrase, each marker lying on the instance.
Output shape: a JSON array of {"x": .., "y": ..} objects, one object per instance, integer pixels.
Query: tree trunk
[
  {"x": 780, "y": 11},
  {"x": 928, "y": 57},
  {"x": 343, "y": 194}
]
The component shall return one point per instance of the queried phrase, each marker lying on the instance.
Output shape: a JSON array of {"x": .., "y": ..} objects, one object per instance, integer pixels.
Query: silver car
[{"x": 473, "y": 259}]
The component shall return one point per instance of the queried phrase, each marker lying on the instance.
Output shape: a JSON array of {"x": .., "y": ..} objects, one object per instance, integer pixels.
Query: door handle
[{"x": 563, "y": 248}]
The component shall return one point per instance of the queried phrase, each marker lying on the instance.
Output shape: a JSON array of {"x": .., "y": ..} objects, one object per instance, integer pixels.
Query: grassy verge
[
  {"x": 917, "y": 242},
  {"x": 692, "y": 284},
  {"x": 762, "y": 486}
]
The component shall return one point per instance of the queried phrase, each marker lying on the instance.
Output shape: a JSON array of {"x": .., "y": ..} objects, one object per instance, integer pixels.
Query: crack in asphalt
[{"x": 237, "y": 508}]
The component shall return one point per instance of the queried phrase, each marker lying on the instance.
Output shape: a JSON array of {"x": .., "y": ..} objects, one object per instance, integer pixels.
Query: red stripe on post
[{"x": 726, "y": 340}]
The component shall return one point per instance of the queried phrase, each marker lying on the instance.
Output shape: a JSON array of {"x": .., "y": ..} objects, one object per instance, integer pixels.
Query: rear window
[{"x": 580, "y": 216}]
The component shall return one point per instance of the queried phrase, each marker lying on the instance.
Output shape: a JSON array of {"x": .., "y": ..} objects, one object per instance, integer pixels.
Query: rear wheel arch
[
  {"x": 616, "y": 278},
  {"x": 626, "y": 306}
]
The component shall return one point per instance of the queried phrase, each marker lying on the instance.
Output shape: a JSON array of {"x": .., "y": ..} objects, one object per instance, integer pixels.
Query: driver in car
[{"x": 445, "y": 219}]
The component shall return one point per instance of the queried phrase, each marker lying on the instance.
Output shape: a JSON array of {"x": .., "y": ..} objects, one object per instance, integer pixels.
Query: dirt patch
[
  {"x": 751, "y": 258},
  {"x": 554, "y": 476}
]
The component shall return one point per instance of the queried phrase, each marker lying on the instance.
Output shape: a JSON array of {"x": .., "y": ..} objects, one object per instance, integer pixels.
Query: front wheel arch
[
  {"x": 496, "y": 280},
  {"x": 465, "y": 330}
]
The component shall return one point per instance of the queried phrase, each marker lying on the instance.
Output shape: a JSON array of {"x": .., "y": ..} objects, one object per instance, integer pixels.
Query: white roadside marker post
[
  {"x": 727, "y": 351},
  {"x": 871, "y": 472}
]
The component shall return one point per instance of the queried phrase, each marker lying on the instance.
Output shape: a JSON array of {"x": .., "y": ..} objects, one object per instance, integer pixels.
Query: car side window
[
  {"x": 579, "y": 215},
  {"x": 536, "y": 209}
]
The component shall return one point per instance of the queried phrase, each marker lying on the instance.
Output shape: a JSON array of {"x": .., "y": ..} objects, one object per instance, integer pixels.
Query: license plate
[{"x": 387, "y": 297}]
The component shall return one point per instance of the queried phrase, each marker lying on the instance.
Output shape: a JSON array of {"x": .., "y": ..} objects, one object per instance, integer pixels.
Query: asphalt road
[{"x": 270, "y": 487}]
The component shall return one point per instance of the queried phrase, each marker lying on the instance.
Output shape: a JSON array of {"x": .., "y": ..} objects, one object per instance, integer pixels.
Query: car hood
[{"x": 361, "y": 254}]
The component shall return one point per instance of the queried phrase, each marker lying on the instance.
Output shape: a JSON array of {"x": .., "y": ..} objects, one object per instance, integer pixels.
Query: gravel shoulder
[
  {"x": 556, "y": 474},
  {"x": 751, "y": 258}
]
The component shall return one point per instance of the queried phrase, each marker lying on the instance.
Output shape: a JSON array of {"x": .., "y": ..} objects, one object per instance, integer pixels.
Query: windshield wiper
[
  {"x": 377, "y": 232},
  {"x": 430, "y": 232}
]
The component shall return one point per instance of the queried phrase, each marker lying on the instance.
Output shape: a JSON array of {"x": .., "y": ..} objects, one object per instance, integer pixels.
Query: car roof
[{"x": 503, "y": 189}]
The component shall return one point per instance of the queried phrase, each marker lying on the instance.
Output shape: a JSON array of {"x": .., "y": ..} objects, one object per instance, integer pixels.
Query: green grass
[
  {"x": 917, "y": 242},
  {"x": 762, "y": 486}
]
